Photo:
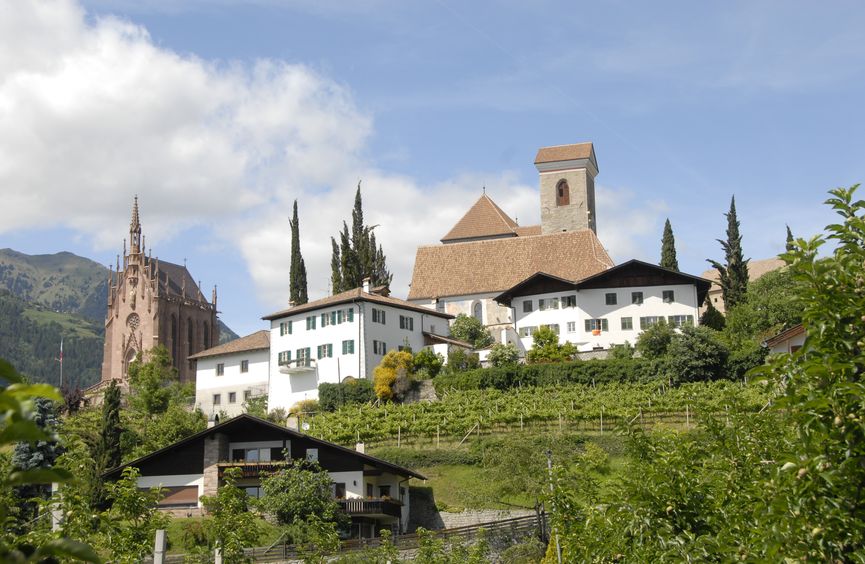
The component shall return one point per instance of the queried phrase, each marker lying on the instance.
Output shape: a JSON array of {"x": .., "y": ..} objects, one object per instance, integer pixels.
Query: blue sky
[{"x": 220, "y": 114}]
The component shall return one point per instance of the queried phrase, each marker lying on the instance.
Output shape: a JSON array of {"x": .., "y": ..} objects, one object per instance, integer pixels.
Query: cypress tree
[
  {"x": 108, "y": 449},
  {"x": 668, "y": 248},
  {"x": 789, "y": 246},
  {"x": 297, "y": 276},
  {"x": 712, "y": 317},
  {"x": 733, "y": 275},
  {"x": 335, "y": 270}
]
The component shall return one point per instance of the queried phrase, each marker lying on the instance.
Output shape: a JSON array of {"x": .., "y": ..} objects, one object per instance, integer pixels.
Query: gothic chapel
[{"x": 150, "y": 303}]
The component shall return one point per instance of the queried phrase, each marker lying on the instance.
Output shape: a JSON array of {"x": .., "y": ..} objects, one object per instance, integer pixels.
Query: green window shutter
[
  {"x": 289, "y": 327},
  {"x": 350, "y": 313},
  {"x": 339, "y": 316},
  {"x": 333, "y": 318},
  {"x": 330, "y": 350},
  {"x": 322, "y": 319}
]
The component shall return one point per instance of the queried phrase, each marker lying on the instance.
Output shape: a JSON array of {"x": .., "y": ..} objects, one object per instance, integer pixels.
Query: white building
[
  {"x": 487, "y": 251},
  {"x": 787, "y": 341},
  {"x": 609, "y": 308},
  {"x": 228, "y": 375},
  {"x": 328, "y": 340}
]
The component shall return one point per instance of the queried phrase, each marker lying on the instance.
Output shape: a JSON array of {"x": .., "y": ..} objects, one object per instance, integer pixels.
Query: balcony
[
  {"x": 251, "y": 469},
  {"x": 371, "y": 507},
  {"x": 297, "y": 366}
]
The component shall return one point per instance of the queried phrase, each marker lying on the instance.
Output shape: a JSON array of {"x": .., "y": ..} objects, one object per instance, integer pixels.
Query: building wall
[
  {"x": 207, "y": 383},
  {"x": 591, "y": 304},
  {"x": 579, "y": 213},
  {"x": 286, "y": 389},
  {"x": 495, "y": 317},
  {"x": 790, "y": 345}
]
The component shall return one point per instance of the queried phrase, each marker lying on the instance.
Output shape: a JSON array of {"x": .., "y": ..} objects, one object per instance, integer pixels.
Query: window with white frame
[
  {"x": 284, "y": 357},
  {"x": 406, "y": 322},
  {"x": 548, "y": 303},
  {"x": 232, "y": 397},
  {"x": 597, "y": 325},
  {"x": 217, "y": 399},
  {"x": 220, "y": 369},
  {"x": 680, "y": 321},
  {"x": 325, "y": 320},
  {"x": 649, "y": 320},
  {"x": 310, "y": 323},
  {"x": 669, "y": 296},
  {"x": 285, "y": 328},
  {"x": 572, "y": 326},
  {"x": 325, "y": 351},
  {"x": 303, "y": 357},
  {"x": 527, "y": 331},
  {"x": 636, "y": 297},
  {"x": 244, "y": 366},
  {"x": 554, "y": 327},
  {"x": 348, "y": 347},
  {"x": 379, "y": 347},
  {"x": 569, "y": 301},
  {"x": 627, "y": 324},
  {"x": 378, "y": 316}
]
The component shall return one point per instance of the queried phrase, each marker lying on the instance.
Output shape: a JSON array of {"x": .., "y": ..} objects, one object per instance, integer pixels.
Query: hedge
[
  {"x": 577, "y": 372},
  {"x": 420, "y": 458},
  {"x": 333, "y": 396}
]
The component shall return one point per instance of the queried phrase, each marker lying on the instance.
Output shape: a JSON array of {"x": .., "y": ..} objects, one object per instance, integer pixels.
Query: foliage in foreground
[{"x": 784, "y": 483}]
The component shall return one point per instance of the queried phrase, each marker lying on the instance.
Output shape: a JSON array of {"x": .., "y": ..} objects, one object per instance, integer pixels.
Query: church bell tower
[{"x": 567, "y": 181}]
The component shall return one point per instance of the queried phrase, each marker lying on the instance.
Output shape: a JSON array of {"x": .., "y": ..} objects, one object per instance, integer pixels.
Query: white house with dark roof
[
  {"x": 606, "y": 309},
  {"x": 487, "y": 252},
  {"x": 341, "y": 336},
  {"x": 372, "y": 491},
  {"x": 228, "y": 375}
]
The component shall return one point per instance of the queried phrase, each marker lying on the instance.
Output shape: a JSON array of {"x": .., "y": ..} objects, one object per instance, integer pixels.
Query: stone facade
[
  {"x": 573, "y": 207},
  {"x": 215, "y": 451},
  {"x": 150, "y": 303}
]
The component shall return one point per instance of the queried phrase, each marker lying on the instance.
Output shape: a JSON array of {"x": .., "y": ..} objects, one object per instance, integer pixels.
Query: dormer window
[{"x": 563, "y": 193}]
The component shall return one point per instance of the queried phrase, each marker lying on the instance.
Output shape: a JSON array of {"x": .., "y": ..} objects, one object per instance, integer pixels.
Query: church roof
[
  {"x": 254, "y": 342},
  {"x": 173, "y": 277},
  {"x": 494, "y": 265},
  {"x": 564, "y": 153},
  {"x": 483, "y": 220},
  {"x": 349, "y": 296}
]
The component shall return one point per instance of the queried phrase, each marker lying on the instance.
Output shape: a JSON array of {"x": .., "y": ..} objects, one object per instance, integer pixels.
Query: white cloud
[{"x": 630, "y": 226}]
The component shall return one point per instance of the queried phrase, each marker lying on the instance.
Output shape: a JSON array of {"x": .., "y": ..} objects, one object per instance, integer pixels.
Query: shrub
[
  {"x": 470, "y": 330},
  {"x": 697, "y": 355},
  {"x": 624, "y": 351},
  {"x": 546, "y": 348},
  {"x": 305, "y": 406},
  {"x": 654, "y": 341},
  {"x": 460, "y": 360},
  {"x": 504, "y": 355},
  {"x": 416, "y": 458},
  {"x": 427, "y": 363},
  {"x": 394, "y": 366},
  {"x": 350, "y": 392}
]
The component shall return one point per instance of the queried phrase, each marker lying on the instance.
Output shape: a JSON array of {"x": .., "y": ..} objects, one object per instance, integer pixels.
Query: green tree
[
  {"x": 461, "y": 360},
  {"x": 697, "y": 355},
  {"x": 712, "y": 318},
  {"x": 668, "y": 248},
  {"x": 150, "y": 381},
  {"x": 357, "y": 257},
  {"x": 133, "y": 518},
  {"x": 471, "y": 330},
  {"x": 654, "y": 341},
  {"x": 297, "y": 273},
  {"x": 790, "y": 245},
  {"x": 108, "y": 449},
  {"x": 427, "y": 363},
  {"x": 546, "y": 348},
  {"x": 769, "y": 307},
  {"x": 29, "y": 455},
  {"x": 298, "y": 491},
  {"x": 504, "y": 355},
  {"x": 733, "y": 274},
  {"x": 230, "y": 524}
]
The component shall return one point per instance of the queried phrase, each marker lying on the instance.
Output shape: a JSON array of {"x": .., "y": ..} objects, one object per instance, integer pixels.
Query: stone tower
[
  {"x": 567, "y": 178},
  {"x": 150, "y": 303}
]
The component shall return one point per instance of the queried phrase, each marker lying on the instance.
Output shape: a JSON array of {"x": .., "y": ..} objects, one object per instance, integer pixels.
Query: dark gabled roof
[
  {"x": 260, "y": 340},
  {"x": 246, "y": 419},
  {"x": 355, "y": 295},
  {"x": 632, "y": 273},
  {"x": 174, "y": 279},
  {"x": 555, "y": 284}
]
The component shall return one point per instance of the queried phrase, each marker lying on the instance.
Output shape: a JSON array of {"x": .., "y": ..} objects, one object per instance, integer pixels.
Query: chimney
[
  {"x": 360, "y": 447},
  {"x": 292, "y": 423},
  {"x": 366, "y": 282}
]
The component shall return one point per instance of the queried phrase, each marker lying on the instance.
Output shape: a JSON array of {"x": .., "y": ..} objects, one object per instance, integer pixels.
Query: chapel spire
[{"x": 135, "y": 230}]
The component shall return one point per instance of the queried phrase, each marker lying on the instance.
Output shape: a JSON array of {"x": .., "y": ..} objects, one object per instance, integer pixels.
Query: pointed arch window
[
  {"x": 478, "y": 311},
  {"x": 563, "y": 193},
  {"x": 206, "y": 335},
  {"x": 190, "y": 336},
  {"x": 174, "y": 339}
]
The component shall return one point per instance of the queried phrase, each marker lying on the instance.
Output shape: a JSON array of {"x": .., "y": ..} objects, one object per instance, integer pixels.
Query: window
[
  {"x": 325, "y": 351},
  {"x": 251, "y": 491},
  {"x": 340, "y": 315},
  {"x": 627, "y": 324},
  {"x": 440, "y": 306},
  {"x": 217, "y": 399},
  {"x": 369, "y": 490},
  {"x": 349, "y": 315},
  {"x": 554, "y": 327},
  {"x": 220, "y": 369},
  {"x": 247, "y": 394},
  {"x": 325, "y": 319},
  {"x": 303, "y": 357},
  {"x": 597, "y": 325},
  {"x": 572, "y": 326},
  {"x": 378, "y": 316},
  {"x": 348, "y": 347},
  {"x": 669, "y": 296},
  {"x": 527, "y": 331},
  {"x": 406, "y": 322},
  {"x": 646, "y": 322},
  {"x": 569, "y": 301},
  {"x": 256, "y": 454},
  {"x": 384, "y": 491},
  {"x": 310, "y": 323},
  {"x": 527, "y": 306},
  {"x": 339, "y": 490},
  {"x": 244, "y": 366},
  {"x": 478, "y": 311},
  {"x": 285, "y": 328},
  {"x": 232, "y": 397},
  {"x": 637, "y": 298},
  {"x": 680, "y": 320},
  {"x": 284, "y": 358},
  {"x": 563, "y": 193},
  {"x": 379, "y": 347},
  {"x": 206, "y": 336},
  {"x": 312, "y": 454},
  {"x": 548, "y": 303},
  {"x": 611, "y": 298}
]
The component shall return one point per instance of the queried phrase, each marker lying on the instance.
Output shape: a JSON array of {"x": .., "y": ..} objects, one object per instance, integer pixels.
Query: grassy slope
[{"x": 72, "y": 325}]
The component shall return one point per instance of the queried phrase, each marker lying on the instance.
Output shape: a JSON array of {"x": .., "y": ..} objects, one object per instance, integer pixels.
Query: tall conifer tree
[
  {"x": 733, "y": 275},
  {"x": 108, "y": 449},
  {"x": 297, "y": 275},
  {"x": 668, "y": 248},
  {"x": 789, "y": 246}
]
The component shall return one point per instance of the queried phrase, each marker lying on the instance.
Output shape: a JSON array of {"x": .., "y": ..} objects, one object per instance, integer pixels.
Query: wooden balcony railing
[
  {"x": 252, "y": 469},
  {"x": 360, "y": 506}
]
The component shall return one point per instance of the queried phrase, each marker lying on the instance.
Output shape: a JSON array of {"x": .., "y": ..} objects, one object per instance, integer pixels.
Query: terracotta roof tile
[
  {"x": 256, "y": 341},
  {"x": 494, "y": 265},
  {"x": 528, "y": 230},
  {"x": 756, "y": 269},
  {"x": 564, "y": 153},
  {"x": 484, "y": 219},
  {"x": 357, "y": 294}
]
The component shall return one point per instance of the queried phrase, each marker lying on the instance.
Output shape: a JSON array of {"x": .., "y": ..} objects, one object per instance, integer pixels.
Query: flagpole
[{"x": 60, "y": 360}]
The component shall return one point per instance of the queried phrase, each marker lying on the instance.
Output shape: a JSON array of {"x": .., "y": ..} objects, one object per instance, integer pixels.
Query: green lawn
[
  {"x": 71, "y": 324},
  {"x": 182, "y": 533}
]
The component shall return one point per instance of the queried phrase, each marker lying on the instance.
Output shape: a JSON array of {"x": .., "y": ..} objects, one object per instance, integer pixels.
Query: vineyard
[{"x": 458, "y": 413}]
